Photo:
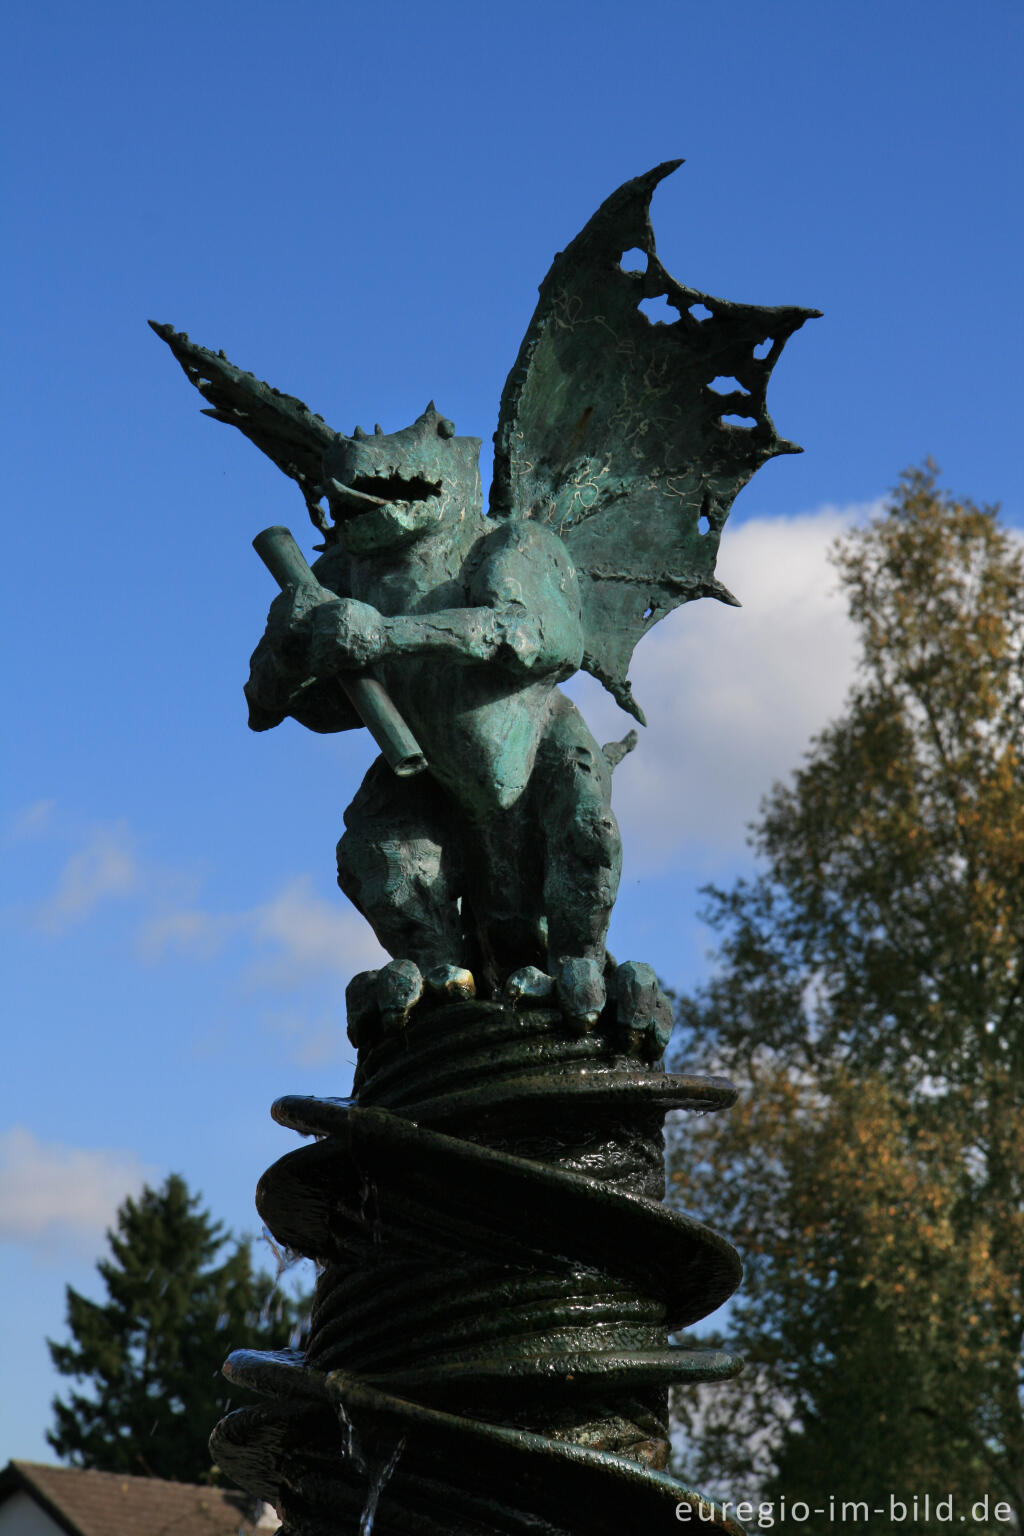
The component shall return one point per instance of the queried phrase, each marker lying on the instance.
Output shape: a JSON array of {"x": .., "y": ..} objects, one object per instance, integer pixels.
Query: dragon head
[{"x": 393, "y": 487}]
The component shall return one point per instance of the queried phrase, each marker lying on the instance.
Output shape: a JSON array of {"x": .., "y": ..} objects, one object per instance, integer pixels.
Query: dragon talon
[
  {"x": 581, "y": 992},
  {"x": 399, "y": 989},
  {"x": 361, "y": 1006},
  {"x": 643, "y": 1011},
  {"x": 529, "y": 986},
  {"x": 451, "y": 983}
]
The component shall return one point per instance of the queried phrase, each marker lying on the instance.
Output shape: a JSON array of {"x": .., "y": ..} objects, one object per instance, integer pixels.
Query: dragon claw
[
  {"x": 581, "y": 992},
  {"x": 451, "y": 983},
  {"x": 399, "y": 989},
  {"x": 529, "y": 986},
  {"x": 643, "y": 1010},
  {"x": 361, "y": 1006}
]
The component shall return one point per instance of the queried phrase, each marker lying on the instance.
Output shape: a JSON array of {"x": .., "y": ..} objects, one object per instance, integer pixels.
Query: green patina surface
[
  {"x": 621, "y": 443},
  {"x": 497, "y": 1277}
]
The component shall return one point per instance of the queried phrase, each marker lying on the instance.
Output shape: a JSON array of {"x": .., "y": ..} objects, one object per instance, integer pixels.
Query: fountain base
[{"x": 498, "y": 1277}]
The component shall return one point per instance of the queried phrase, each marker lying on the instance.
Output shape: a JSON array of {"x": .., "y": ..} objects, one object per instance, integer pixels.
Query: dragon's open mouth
[{"x": 369, "y": 491}]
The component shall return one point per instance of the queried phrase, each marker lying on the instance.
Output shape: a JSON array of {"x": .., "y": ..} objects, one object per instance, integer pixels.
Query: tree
[
  {"x": 153, "y": 1352},
  {"x": 870, "y": 997}
]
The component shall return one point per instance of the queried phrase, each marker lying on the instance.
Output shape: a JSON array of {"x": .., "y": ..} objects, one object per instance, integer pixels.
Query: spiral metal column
[{"x": 488, "y": 1352}]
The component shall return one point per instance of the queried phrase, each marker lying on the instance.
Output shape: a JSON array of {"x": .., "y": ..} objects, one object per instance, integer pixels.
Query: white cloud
[
  {"x": 33, "y": 820},
  {"x": 301, "y": 948},
  {"x": 305, "y": 935},
  {"x": 193, "y": 931},
  {"x": 296, "y": 935},
  {"x": 54, "y": 1197},
  {"x": 104, "y": 867},
  {"x": 733, "y": 696}
]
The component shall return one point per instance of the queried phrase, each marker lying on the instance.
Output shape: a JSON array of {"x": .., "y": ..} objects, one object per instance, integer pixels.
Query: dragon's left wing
[
  {"x": 615, "y": 430},
  {"x": 281, "y": 426}
]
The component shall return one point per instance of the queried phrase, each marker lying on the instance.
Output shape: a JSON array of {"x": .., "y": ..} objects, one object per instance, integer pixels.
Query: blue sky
[{"x": 358, "y": 203}]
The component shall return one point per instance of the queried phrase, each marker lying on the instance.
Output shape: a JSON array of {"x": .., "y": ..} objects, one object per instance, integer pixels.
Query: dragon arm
[
  {"x": 523, "y": 614},
  {"x": 507, "y": 635},
  {"x": 348, "y": 635}
]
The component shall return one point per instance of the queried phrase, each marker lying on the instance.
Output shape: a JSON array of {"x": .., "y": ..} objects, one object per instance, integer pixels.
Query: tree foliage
[
  {"x": 871, "y": 998},
  {"x": 152, "y": 1352}
]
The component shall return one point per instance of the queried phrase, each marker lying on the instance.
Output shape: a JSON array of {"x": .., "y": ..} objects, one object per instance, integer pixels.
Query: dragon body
[{"x": 621, "y": 444}]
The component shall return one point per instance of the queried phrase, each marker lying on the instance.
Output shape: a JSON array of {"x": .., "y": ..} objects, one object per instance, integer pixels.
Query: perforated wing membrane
[{"x": 630, "y": 436}]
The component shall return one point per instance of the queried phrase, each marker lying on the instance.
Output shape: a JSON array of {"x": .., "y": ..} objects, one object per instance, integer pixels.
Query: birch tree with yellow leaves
[{"x": 869, "y": 1001}]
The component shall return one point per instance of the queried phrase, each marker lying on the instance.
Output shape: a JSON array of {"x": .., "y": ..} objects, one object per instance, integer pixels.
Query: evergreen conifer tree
[{"x": 151, "y": 1354}]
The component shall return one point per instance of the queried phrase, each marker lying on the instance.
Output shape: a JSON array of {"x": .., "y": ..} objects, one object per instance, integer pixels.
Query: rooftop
[{"x": 88, "y": 1503}]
